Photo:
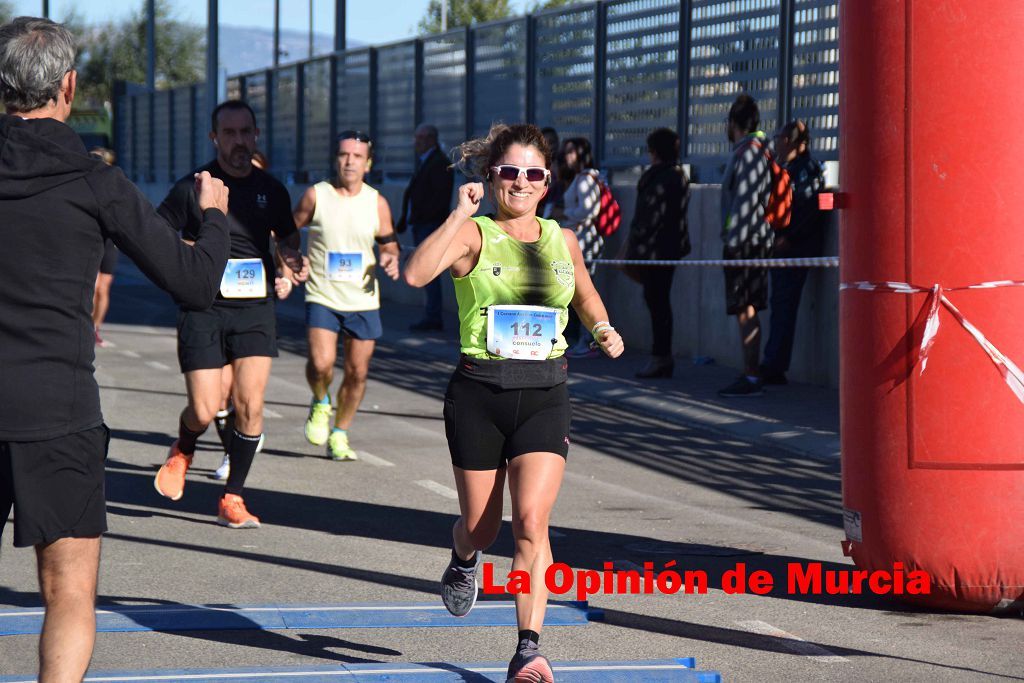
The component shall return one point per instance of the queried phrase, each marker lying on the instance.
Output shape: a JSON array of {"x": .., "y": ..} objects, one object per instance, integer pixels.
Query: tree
[
  {"x": 6, "y": 11},
  {"x": 464, "y": 13},
  {"x": 551, "y": 4},
  {"x": 116, "y": 51}
]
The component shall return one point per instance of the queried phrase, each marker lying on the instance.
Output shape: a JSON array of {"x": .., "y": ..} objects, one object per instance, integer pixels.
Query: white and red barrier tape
[
  {"x": 1007, "y": 369},
  {"x": 812, "y": 262}
]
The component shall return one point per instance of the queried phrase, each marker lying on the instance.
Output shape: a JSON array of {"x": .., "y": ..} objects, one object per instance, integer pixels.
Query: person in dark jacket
[
  {"x": 659, "y": 232},
  {"x": 425, "y": 206},
  {"x": 58, "y": 204},
  {"x": 803, "y": 238}
]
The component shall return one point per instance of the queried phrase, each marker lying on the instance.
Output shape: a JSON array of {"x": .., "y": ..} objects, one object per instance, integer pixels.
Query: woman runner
[{"x": 507, "y": 407}]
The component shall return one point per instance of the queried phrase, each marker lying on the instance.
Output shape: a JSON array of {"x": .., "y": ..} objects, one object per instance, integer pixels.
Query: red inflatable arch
[{"x": 933, "y": 180}]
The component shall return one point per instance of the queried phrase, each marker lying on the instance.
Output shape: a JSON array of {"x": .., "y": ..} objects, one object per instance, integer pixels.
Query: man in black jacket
[
  {"x": 58, "y": 204},
  {"x": 659, "y": 233},
  {"x": 425, "y": 206}
]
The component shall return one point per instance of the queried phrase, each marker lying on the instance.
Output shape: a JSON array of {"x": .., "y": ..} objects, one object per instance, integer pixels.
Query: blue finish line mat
[
  {"x": 29, "y": 621},
  {"x": 656, "y": 671}
]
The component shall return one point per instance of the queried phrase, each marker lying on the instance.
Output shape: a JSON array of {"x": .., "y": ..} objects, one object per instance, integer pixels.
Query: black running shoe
[
  {"x": 458, "y": 587},
  {"x": 529, "y": 665},
  {"x": 743, "y": 387}
]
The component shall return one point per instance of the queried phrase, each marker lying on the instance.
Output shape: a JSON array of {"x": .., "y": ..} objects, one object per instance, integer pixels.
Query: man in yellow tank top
[{"x": 345, "y": 218}]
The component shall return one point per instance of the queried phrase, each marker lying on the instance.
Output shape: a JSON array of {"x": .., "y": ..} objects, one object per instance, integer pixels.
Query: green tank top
[{"x": 511, "y": 272}]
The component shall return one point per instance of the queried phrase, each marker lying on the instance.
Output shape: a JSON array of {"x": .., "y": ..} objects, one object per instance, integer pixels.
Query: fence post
[
  {"x": 683, "y": 79},
  {"x": 300, "y": 121},
  {"x": 531, "y": 67},
  {"x": 417, "y": 89},
  {"x": 332, "y": 109},
  {"x": 151, "y": 170},
  {"x": 470, "y": 122},
  {"x": 172, "y": 96},
  {"x": 193, "y": 126},
  {"x": 600, "y": 36},
  {"x": 268, "y": 124},
  {"x": 373, "y": 95},
  {"x": 786, "y": 21}
]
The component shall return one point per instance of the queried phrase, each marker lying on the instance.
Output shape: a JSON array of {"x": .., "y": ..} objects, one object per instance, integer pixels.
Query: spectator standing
[
  {"x": 424, "y": 207},
  {"x": 659, "y": 232},
  {"x": 582, "y": 204},
  {"x": 746, "y": 189},
  {"x": 803, "y": 238}
]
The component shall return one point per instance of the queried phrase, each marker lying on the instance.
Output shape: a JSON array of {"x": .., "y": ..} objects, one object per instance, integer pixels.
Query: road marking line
[
  {"x": 157, "y": 365},
  {"x": 793, "y": 643},
  {"x": 375, "y": 460},
  {"x": 439, "y": 489},
  {"x": 267, "y": 412},
  {"x": 131, "y": 354}
]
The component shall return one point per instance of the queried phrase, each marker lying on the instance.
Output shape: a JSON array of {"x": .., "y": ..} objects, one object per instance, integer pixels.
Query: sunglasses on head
[
  {"x": 534, "y": 174},
  {"x": 357, "y": 135}
]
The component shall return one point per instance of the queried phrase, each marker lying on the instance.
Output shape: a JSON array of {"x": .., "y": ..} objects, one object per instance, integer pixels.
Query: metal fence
[{"x": 611, "y": 71}]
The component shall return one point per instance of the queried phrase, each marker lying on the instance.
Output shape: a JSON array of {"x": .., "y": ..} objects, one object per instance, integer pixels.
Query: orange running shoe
[
  {"x": 170, "y": 480},
  {"x": 231, "y": 512}
]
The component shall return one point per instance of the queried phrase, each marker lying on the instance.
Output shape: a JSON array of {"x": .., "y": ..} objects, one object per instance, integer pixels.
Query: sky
[{"x": 364, "y": 17}]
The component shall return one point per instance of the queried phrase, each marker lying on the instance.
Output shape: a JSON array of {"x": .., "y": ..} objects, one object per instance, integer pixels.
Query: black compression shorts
[
  {"x": 55, "y": 487},
  {"x": 487, "y": 426},
  {"x": 214, "y": 337}
]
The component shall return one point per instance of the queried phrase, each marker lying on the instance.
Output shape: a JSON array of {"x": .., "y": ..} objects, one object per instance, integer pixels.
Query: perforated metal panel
[
  {"x": 396, "y": 111},
  {"x": 352, "y": 91},
  {"x": 816, "y": 73},
  {"x": 499, "y": 75},
  {"x": 317, "y": 152},
  {"x": 234, "y": 88},
  {"x": 143, "y": 159},
  {"x": 642, "y": 69},
  {"x": 734, "y": 48},
  {"x": 256, "y": 96},
  {"x": 285, "y": 138},
  {"x": 182, "y": 131},
  {"x": 201, "y": 135},
  {"x": 565, "y": 72},
  {"x": 161, "y": 135},
  {"x": 444, "y": 86},
  {"x": 123, "y": 134}
]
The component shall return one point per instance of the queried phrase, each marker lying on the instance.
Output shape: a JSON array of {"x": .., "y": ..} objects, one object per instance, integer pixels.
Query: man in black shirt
[
  {"x": 240, "y": 327},
  {"x": 58, "y": 205}
]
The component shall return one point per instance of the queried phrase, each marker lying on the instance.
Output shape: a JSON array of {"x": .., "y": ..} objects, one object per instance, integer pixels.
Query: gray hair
[{"x": 35, "y": 54}]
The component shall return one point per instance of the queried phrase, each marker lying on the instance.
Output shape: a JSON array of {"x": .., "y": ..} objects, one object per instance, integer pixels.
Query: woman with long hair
[{"x": 507, "y": 406}]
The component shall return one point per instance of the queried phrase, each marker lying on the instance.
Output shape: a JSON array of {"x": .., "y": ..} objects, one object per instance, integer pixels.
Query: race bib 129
[{"x": 244, "y": 279}]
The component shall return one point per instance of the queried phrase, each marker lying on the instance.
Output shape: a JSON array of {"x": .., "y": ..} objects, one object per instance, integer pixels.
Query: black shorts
[
  {"x": 214, "y": 337},
  {"x": 54, "y": 486},
  {"x": 109, "y": 263},
  {"x": 487, "y": 426}
]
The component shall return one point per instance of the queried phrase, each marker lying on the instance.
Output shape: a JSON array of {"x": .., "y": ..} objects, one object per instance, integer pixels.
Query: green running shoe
[
  {"x": 338, "y": 448},
  {"x": 318, "y": 425}
]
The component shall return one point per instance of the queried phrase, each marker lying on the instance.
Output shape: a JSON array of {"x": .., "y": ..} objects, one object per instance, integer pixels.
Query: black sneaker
[
  {"x": 743, "y": 387},
  {"x": 529, "y": 665},
  {"x": 458, "y": 587}
]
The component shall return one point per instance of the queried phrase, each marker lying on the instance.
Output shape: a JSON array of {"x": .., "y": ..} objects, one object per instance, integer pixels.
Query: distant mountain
[{"x": 244, "y": 49}]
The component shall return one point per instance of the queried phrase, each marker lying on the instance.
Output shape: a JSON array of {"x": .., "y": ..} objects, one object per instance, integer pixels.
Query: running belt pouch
[{"x": 510, "y": 373}]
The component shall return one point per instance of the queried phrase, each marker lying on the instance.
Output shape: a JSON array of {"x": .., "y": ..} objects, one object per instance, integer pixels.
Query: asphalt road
[{"x": 637, "y": 490}]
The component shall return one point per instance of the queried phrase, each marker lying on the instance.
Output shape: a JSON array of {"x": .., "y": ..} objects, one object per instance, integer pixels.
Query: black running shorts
[
  {"x": 54, "y": 486},
  {"x": 487, "y": 426},
  {"x": 214, "y": 337}
]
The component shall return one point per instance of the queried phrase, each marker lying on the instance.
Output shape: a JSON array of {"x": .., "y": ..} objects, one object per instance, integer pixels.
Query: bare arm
[
  {"x": 455, "y": 244},
  {"x": 588, "y": 304},
  {"x": 387, "y": 241}
]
